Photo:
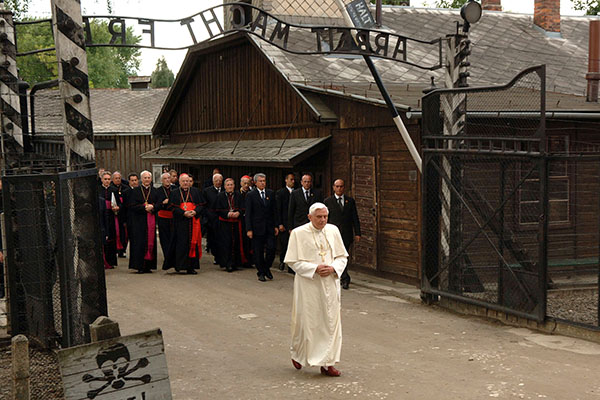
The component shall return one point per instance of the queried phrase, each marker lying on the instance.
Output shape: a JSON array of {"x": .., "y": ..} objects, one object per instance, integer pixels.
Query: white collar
[
  {"x": 290, "y": 189},
  {"x": 339, "y": 197}
]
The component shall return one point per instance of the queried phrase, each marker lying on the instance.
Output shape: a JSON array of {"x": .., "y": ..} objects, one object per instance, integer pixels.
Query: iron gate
[
  {"x": 485, "y": 177},
  {"x": 53, "y": 254}
]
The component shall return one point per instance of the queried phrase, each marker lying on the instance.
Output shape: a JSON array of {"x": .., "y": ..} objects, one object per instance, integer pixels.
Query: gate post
[
  {"x": 454, "y": 108},
  {"x": 67, "y": 24},
  {"x": 10, "y": 103}
]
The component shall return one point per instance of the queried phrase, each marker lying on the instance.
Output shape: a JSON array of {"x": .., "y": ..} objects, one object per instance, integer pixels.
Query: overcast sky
[{"x": 175, "y": 35}]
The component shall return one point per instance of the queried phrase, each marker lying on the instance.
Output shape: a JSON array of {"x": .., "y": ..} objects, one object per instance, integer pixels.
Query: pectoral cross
[{"x": 322, "y": 253}]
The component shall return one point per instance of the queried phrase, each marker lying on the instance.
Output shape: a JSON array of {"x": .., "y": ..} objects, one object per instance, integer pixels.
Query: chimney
[
  {"x": 546, "y": 15},
  {"x": 491, "y": 5},
  {"x": 593, "y": 75},
  {"x": 139, "y": 82}
]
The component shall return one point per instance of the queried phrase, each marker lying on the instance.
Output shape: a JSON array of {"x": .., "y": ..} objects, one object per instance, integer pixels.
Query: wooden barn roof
[
  {"x": 503, "y": 44},
  {"x": 274, "y": 153}
]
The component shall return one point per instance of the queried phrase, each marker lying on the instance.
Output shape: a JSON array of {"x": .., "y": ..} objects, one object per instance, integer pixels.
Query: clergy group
[{"x": 243, "y": 222}]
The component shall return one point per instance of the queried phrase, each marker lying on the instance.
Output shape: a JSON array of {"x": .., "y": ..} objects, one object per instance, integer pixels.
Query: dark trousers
[
  {"x": 264, "y": 252},
  {"x": 284, "y": 238},
  {"x": 345, "y": 276}
]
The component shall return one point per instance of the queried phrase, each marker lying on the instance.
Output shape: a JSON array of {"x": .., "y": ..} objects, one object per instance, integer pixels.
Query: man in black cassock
[
  {"x": 246, "y": 241},
  {"x": 230, "y": 240},
  {"x": 142, "y": 232},
  {"x": 110, "y": 210},
  {"x": 165, "y": 214},
  {"x": 121, "y": 218},
  {"x": 185, "y": 249},
  {"x": 211, "y": 219}
]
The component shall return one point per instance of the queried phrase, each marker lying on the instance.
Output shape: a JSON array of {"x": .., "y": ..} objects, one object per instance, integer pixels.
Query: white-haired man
[
  {"x": 141, "y": 203},
  {"x": 317, "y": 254}
]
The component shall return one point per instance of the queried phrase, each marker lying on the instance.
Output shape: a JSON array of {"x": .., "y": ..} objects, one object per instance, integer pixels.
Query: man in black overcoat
[
  {"x": 246, "y": 242},
  {"x": 111, "y": 209},
  {"x": 343, "y": 214},
  {"x": 230, "y": 239},
  {"x": 300, "y": 201},
  {"x": 283, "y": 202},
  {"x": 261, "y": 226},
  {"x": 141, "y": 206}
]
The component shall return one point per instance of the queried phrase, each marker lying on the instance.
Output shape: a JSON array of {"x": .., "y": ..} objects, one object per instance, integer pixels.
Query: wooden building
[
  {"x": 245, "y": 106},
  {"x": 122, "y": 121}
]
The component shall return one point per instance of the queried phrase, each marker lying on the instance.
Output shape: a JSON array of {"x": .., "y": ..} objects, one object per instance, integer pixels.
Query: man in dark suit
[
  {"x": 261, "y": 226},
  {"x": 300, "y": 201},
  {"x": 283, "y": 202},
  {"x": 210, "y": 223},
  {"x": 343, "y": 214}
]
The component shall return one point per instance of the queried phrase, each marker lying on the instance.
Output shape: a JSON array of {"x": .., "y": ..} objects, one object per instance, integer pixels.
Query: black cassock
[
  {"x": 142, "y": 229},
  {"x": 110, "y": 244},
  {"x": 121, "y": 218},
  {"x": 231, "y": 234},
  {"x": 164, "y": 217},
  {"x": 185, "y": 249}
]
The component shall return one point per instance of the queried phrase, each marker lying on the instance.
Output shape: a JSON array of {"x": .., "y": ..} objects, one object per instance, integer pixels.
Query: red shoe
[
  {"x": 297, "y": 365},
  {"x": 330, "y": 371}
]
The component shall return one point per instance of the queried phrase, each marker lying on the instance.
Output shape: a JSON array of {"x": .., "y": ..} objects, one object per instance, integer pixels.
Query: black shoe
[
  {"x": 261, "y": 278},
  {"x": 121, "y": 255},
  {"x": 148, "y": 271},
  {"x": 346, "y": 285},
  {"x": 192, "y": 272},
  {"x": 291, "y": 271},
  {"x": 139, "y": 271},
  {"x": 269, "y": 275},
  {"x": 229, "y": 268},
  {"x": 281, "y": 266}
]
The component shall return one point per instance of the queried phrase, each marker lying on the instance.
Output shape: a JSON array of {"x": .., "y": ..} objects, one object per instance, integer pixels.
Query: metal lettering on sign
[
  {"x": 287, "y": 36},
  {"x": 360, "y": 14}
]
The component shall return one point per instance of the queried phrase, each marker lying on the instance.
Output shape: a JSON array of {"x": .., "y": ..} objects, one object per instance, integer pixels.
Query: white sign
[{"x": 124, "y": 368}]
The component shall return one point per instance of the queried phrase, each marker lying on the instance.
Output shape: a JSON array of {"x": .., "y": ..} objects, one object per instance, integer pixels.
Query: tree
[
  {"x": 450, "y": 3},
  {"x": 591, "y": 7},
  {"x": 162, "y": 76},
  {"x": 107, "y": 66}
]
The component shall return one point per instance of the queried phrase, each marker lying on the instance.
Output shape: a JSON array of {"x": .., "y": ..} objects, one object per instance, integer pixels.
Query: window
[
  {"x": 559, "y": 198},
  {"x": 105, "y": 144}
]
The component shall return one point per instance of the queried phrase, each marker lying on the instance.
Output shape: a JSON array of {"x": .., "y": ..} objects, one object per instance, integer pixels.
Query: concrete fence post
[
  {"x": 104, "y": 328},
  {"x": 20, "y": 367}
]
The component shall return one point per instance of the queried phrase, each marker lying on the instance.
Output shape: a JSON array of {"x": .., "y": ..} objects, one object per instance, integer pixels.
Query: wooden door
[{"x": 365, "y": 193}]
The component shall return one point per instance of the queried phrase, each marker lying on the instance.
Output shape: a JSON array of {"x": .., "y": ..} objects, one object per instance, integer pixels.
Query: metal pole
[{"x": 395, "y": 116}]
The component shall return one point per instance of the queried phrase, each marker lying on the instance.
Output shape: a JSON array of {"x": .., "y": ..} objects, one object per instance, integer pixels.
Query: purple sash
[{"x": 151, "y": 223}]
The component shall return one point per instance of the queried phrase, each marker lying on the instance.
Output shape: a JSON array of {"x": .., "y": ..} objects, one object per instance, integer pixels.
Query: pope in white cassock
[{"x": 317, "y": 254}]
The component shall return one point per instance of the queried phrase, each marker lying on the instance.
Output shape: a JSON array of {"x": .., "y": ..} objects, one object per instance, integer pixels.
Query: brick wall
[
  {"x": 546, "y": 15},
  {"x": 491, "y": 5}
]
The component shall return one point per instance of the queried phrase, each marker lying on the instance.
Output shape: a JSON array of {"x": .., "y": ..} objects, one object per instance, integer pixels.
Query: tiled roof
[
  {"x": 503, "y": 44},
  {"x": 114, "y": 111}
]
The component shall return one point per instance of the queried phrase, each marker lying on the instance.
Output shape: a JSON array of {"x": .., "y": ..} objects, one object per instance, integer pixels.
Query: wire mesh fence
[{"x": 54, "y": 260}]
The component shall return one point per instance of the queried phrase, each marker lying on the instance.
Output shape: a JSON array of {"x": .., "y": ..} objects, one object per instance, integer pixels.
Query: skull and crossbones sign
[{"x": 115, "y": 376}]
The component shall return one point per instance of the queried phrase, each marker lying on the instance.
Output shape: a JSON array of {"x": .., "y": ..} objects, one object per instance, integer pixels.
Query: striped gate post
[
  {"x": 9, "y": 87},
  {"x": 454, "y": 110},
  {"x": 69, "y": 36}
]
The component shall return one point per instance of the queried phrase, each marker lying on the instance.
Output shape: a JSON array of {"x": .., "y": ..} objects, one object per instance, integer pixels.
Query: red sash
[
  {"x": 165, "y": 214},
  {"x": 151, "y": 224},
  {"x": 196, "y": 239},
  {"x": 109, "y": 207},
  {"x": 239, "y": 226}
]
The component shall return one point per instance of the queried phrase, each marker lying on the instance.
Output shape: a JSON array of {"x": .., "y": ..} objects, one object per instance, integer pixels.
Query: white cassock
[{"x": 316, "y": 317}]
